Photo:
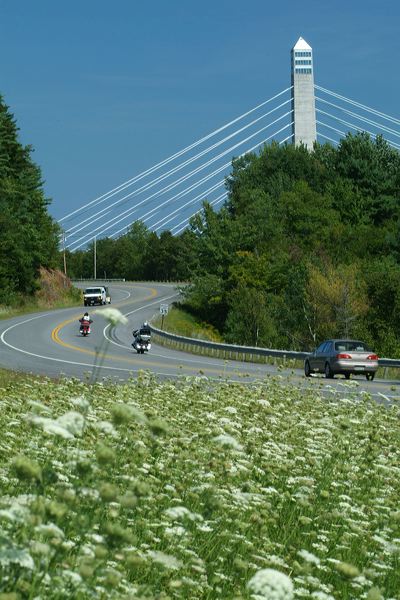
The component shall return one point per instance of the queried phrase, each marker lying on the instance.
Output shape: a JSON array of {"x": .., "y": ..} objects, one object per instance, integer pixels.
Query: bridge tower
[{"x": 304, "y": 128}]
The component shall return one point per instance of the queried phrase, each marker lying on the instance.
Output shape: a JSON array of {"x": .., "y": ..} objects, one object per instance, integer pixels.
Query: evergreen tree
[{"x": 28, "y": 235}]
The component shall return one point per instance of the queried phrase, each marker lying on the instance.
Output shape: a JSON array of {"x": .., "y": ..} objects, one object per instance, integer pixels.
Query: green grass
[
  {"x": 183, "y": 323},
  {"x": 8, "y": 312},
  {"x": 187, "y": 489},
  {"x": 9, "y": 378}
]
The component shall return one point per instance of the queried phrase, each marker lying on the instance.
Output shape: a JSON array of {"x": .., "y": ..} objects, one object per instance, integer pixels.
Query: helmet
[
  {"x": 86, "y": 314},
  {"x": 145, "y": 324}
]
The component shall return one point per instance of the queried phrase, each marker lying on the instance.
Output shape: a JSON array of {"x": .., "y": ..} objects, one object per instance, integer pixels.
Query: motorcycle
[
  {"x": 141, "y": 340},
  {"x": 84, "y": 328}
]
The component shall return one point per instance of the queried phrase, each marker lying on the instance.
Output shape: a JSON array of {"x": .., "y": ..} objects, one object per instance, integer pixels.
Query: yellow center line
[{"x": 55, "y": 334}]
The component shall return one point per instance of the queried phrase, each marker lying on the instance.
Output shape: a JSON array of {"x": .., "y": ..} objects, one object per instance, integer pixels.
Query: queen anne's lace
[
  {"x": 270, "y": 584},
  {"x": 113, "y": 316}
]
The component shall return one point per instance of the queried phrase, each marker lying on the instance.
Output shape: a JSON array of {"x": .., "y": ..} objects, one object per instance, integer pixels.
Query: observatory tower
[{"x": 303, "y": 102}]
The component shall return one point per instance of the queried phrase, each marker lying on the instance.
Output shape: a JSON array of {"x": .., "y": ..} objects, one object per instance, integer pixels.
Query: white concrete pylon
[{"x": 303, "y": 100}]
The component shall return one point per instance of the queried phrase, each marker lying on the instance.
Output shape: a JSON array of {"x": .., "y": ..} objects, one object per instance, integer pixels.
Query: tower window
[{"x": 302, "y": 54}]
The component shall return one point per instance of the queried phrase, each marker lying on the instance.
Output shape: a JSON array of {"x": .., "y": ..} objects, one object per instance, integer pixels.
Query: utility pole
[
  {"x": 94, "y": 258},
  {"x": 65, "y": 258}
]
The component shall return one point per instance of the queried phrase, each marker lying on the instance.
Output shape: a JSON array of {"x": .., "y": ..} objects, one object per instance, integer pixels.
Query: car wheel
[
  {"x": 328, "y": 371},
  {"x": 370, "y": 376},
  {"x": 347, "y": 375},
  {"x": 307, "y": 369}
]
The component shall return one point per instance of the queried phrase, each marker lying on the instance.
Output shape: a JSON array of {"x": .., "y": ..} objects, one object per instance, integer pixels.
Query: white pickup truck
[{"x": 94, "y": 295}]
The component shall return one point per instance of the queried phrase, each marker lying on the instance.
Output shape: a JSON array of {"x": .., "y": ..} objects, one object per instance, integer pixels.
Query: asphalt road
[{"x": 49, "y": 344}]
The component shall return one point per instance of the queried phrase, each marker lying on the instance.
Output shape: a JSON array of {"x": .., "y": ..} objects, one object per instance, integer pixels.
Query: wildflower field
[{"x": 195, "y": 489}]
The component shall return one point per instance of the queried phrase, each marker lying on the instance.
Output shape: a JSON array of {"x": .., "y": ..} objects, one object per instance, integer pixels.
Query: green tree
[
  {"x": 335, "y": 300},
  {"x": 29, "y": 236},
  {"x": 249, "y": 322}
]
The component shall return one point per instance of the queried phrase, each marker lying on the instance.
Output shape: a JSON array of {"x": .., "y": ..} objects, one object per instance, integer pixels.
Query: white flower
[
  {"x": 14, "y": 555},
  {"x": 72, "y": 577},
  {"x": 106, "y": 427},
  {"x": 167, "y": 560},
  {"x": 80, "y": 402},
  {"x": 73, "y": 422},
  {"x": 177, "y": 531},
  {"x": 52, "y": 427},
  {"x": 270, "y": 584},
  {"x": 228, "y": 441},
  {"x": 309, "y": 557},
  {"x": 50, "y": 530},
  {"x": 113, "y": 316},
  {"x": 67, "y": 426},
  {"x": 180, "y": 512}
]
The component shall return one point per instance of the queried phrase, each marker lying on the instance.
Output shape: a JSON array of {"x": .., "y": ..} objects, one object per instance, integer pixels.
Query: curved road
[{"x": 49, "y": 344}]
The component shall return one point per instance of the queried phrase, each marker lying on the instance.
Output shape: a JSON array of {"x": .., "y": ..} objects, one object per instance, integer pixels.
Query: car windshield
[
  {"x": 93, "y": 291},
  {"x": 351, "y": 346}
]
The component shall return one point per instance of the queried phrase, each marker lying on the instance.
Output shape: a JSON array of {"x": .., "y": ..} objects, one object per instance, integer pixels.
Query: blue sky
[{"x": 105, "y": 90}]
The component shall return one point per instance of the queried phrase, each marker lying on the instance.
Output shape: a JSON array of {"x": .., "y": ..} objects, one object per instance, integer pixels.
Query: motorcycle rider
[
  {"x": 85, "y": 321},
  {"x": 137, "y": 332},
  {"x": 141, "y": 338}
]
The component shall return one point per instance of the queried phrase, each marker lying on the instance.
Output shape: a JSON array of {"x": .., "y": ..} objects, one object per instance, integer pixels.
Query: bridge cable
[
  {"x": 359, "y": 105},
  {"x": 174, "y": 184},
  {"x": 170, "y": 158},
  {"x": 184, "y": 222},
  {"x": 361, "y": 118},
  {"x": 95, "y": 217},
  {"x": 180, "y": 194}
]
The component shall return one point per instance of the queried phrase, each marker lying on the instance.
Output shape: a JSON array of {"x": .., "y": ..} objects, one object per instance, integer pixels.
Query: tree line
[
  {"x": 28, "y": 234},
  {"x": 306, "y": 247}
]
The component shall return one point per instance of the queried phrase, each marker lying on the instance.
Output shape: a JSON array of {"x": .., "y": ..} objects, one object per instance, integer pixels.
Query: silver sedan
[{"x": 346, "y": 357}]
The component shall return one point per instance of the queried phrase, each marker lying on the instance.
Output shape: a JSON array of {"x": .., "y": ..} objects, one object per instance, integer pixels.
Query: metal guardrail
[
  {"x": 98, "y": 280},
  {"x": 389, "y": 362},
  {"x": 228, "y": 351},
  {"x": 240, "y": 352}
]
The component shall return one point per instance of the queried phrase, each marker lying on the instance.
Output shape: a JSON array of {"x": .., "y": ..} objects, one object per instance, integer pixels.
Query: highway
[{"x": 49, "y": 343}]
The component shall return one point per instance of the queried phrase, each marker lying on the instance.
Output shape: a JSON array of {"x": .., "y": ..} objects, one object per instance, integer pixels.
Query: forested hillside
[
  {"x": 306, "y": 247},
  {"x": 28, "y": 235}
]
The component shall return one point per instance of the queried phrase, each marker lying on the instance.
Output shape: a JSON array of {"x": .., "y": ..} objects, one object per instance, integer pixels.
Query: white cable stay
[
  {"x": 161, "y": 222},
  {"x": 152, "y": 183},
  {"x": 171, "y": 158},
  {"x": 185, "y": 221},
  {"x": 343, "y": 133},
  {"x": 211, "y": 202},
  {"x": 359, "y": 105},
  {"x": 360, "y": 117},
  {"x": 168, "y": 218},
  {"x": 89, "y": 236},
  {"x": 356, "y": 127},
  {"x": 113, "y": 222},
  {"x": 326, "y": 137},
  {"x": 132, "y": 210},
  {"x": 180, "y": 180},
  {"x": 197, "y": 184}
]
